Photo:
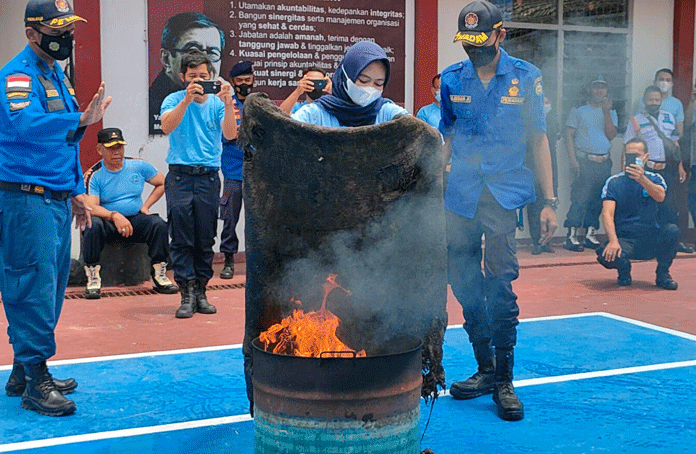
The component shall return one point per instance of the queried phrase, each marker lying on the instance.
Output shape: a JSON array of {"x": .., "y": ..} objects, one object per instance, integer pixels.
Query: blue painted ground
[{"x": 643, "y": 412}]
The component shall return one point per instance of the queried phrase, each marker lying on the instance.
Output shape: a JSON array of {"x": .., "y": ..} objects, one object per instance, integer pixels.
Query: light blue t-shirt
[
  {"x": 297, "y": 106},
  {"x": 670, "y": 104},
  {"x": 430, "y": 114},
  {"x": 312, "y": 113},
  {"x": 122, "y": 191},
  {"x": 197, "y": 139},
  {"x": 588, "y": 122}
]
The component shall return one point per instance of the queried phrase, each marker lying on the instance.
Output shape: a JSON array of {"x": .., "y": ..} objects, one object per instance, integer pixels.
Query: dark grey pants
[{"x": 488, "y": 302}]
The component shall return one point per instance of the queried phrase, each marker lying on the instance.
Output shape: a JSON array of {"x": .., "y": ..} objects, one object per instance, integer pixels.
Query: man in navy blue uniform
[
  {"x": 490, "y": 105},
  {"x": 40, "y": 127},
  {"x": 232, "y": 163},
  {"x": 629, "y": 214}
]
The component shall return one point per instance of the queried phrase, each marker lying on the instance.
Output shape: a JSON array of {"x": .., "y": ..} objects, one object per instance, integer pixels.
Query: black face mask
[
  {"x": 316, "y": 93},
  {"x": 243, "y": 89},
  {"x": 481, "y": 56},
  {"x": 57, "y": 47},
  {"x": 652, "y": 109}
]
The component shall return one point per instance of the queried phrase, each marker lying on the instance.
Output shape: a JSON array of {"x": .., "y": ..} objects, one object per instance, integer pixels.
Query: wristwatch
[{"x": 553, "y": 203}]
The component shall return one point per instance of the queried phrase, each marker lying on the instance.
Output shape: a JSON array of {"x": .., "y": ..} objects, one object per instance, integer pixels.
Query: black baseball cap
[
  {"x": 241, "y": 68},
  {"x": 476, "y": 22},
  {"x": 51, "y": 13},
  {"x": 110, "y": 137}
]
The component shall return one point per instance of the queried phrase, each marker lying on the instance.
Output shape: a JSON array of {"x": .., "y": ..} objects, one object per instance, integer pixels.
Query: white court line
[
  {"x": 36, "y": 444},
  {"x": 450, "y": 327},
  {"x": 97, "y": 359}
]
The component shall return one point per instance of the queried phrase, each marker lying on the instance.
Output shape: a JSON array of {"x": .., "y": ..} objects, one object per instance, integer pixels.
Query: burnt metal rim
[{"x": 411, "y": 344}]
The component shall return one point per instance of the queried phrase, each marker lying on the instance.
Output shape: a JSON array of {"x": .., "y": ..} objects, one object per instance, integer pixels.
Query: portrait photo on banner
[{"x": 281, "y": 38}]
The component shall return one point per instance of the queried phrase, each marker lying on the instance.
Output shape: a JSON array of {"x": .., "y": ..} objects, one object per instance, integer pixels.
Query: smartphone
[
  {"x": 631, "y": 159},
  {"x": 318, "y": 92},
  {"x": 319, "y": 84},
  {"x": 209, "y": 86}
]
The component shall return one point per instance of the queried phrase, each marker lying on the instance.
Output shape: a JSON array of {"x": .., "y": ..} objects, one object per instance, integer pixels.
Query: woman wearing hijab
[{"x": 356, "y": 98}]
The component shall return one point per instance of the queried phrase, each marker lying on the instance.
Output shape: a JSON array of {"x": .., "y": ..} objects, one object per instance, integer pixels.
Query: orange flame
[{"x": 309, "y": 334}]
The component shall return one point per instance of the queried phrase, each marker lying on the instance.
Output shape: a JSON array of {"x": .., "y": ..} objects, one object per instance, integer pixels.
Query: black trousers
[
  {"x": 192, "y": 206},
  {"x": 230, "y": 209},
  {"x": 667, "y": 210},
  {"x": 150, "y": 229},
  {"x": 586, "y": 194},
  {"x": 488, "y": 303},
  {"x": 660, "y": 245}
]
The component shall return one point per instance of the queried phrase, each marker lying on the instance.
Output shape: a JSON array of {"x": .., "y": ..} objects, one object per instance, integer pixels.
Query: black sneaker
[
  {"x": 681, "y": 247},
  {"x": 228, "y": 268},
  {"x": 537, "y": 249}
]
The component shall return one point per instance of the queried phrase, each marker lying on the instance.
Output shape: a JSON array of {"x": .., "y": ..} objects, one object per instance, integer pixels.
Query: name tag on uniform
[
  {"x": 51, "y": 93},
  {"x": 460, "y": 98},
  {"x": 512, "y": 100}
]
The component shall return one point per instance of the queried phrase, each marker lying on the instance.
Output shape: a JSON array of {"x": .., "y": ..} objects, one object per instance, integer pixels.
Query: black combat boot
[
  {"x": 188, "y": 300},
  {"x": 509, "y": 406},
  {"x": 482, "y": 381},
  {"x": 663, "y": 279},
  {"x": 228, "y": 268},
  {"x": 202, "y": 304},
  {"x": 41, "y": 394},
  {"x": 16, "y": 384}
]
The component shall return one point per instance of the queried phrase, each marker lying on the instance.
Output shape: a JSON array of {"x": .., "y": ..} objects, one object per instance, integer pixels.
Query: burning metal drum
[{"x": 345, "y": 404}]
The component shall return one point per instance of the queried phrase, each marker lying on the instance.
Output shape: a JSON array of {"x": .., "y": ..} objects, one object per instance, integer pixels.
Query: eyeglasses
[{"x": 213, "y": 52}]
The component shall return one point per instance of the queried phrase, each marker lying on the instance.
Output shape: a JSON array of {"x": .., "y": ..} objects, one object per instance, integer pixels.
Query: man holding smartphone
[
  {"x": 629, "y": 215},
  {"x": 194, "y": 122},
  {"x": 242, "y": 80},
  {"x": 314, "y": 84}
]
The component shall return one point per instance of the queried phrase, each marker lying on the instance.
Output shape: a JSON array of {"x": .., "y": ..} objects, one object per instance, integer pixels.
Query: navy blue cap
[
  {"x": 241, "y": 68},
  {"x": 51, "y": 13},
  {"x": 476, "y": 22},
  {"x": 110, "y": 137}
]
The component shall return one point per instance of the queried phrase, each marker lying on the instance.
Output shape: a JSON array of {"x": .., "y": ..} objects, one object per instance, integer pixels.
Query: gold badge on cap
[
  {"x": 471, "y": 21},
  {"x": 62, "y": 6}
]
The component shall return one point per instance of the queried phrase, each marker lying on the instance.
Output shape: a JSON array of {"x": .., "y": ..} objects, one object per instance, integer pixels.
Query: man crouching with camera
[
  {"x": 194, "y": 122},
  {"x": 629, "y": 213}
]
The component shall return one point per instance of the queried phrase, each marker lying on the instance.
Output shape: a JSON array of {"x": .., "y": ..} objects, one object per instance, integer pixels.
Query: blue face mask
[
  {"x": 362, "y": 96},
  {"x": 437, "y": 96}
]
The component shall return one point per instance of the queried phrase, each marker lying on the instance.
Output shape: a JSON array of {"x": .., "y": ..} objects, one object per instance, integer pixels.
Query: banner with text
[{"x": 280, "y": 37}]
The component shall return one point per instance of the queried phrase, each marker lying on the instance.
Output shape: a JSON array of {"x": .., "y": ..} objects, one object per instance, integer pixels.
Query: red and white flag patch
[{"x": 18, "y": 82}]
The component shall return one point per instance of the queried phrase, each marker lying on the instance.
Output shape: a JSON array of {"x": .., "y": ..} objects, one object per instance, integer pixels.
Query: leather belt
[
  {"x": 35, "y": 189},
  {"x": 594, "y": 157},
  {"x": 656, "y": 165},
  {"x": 192, "y": 170}
]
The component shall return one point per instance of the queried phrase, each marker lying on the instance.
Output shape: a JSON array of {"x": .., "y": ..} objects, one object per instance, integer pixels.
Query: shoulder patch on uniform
[
  {"x": 18, "y": 82},
  {"x": 460, "y": 98},
  {"x": 17, "y": 95},
  {"x": 19, "y": 105}
]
